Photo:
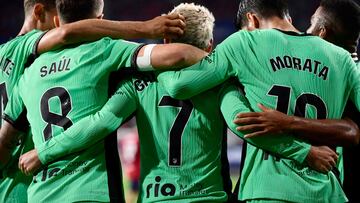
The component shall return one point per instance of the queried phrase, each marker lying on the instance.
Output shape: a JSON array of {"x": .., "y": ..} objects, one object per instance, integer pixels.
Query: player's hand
[
  {"x": 166, "y": 26},
  {"x": 267, "y": 122},
  {"x": 29, "y": 162},
  {"x": 321, "y": 158}
]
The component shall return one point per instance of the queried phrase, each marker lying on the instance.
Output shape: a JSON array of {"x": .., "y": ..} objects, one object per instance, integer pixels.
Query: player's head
[
  {"x": 74, "y": 10},
  {"x": 337, "y": 21},
  {"x": 199, "y": 26},
  {"x": 41, "y": 13},
  {"x": 252, "y": 13}
]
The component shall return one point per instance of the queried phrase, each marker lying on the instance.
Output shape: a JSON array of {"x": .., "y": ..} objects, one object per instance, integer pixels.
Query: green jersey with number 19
[
  {"x": 13, "y": 57},
  {"x": 57, "y": 90},
  {"x": 294, "y": 73}
]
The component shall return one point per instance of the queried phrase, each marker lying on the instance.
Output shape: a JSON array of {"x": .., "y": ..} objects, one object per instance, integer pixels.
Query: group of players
[{"x": 70, "y": 100}]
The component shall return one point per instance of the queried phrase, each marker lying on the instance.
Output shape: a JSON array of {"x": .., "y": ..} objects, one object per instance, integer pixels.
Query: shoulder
[{"x": 107, "y": 40}]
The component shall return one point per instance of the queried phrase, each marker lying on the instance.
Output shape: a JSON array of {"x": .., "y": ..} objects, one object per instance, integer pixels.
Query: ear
[
  {"x": 210, "y": 47},
  {"x": 167, "y": 41},
  {"x": 253, "y": 21},
  {"x": 289, "y": 19},
  {"x": 323, "y": 32},
  {"x": 100, "y": 16},
  {"x": 39, "y": 12},
  {"x": 56, "y": 21}
]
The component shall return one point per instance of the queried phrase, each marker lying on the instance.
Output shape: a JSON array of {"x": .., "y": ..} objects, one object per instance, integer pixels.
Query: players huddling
[{"x": 70, "y": 100}]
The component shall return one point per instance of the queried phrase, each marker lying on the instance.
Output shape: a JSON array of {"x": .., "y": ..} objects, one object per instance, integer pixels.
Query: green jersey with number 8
[{"x": 59, "y": 89}]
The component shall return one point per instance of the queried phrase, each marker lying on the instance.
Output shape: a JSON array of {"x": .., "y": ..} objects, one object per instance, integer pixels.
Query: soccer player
[
  {"x": 19, "y": 52},
  {"x": 67, "y": 102},
  {"x": 337, "y": 22},
  {"x": 13, "y": 57},
  {"x": 168, "y": 169},
  {"x": 279, "y": 69}
]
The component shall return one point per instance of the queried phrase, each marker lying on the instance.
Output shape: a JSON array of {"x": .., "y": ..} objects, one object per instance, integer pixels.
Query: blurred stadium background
[{"x": 12, "y": 16}]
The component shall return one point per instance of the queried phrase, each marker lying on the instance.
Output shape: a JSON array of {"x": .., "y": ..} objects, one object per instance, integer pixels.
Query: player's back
[
  {"x": 301, "y": 75},
  {"x": 60, "y": 88},
  {"x": 14, "y": 55},
  {"x": 182, "y": 145},
  {"x": 300, "y": 70}
]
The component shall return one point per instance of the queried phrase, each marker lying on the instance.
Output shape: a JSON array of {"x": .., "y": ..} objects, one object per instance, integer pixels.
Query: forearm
[
  {"x": 234, "y": 102},
  {"x": 9, "y": 138},
  {"x": 325, "y": 132},
  {"x": 175, "y": 56},
  {"x": 90, "y": 129},
  {"x": 282, "y": 145},
  {"x": 90, "y": 30},
  {"x": 80, "y": 136}
]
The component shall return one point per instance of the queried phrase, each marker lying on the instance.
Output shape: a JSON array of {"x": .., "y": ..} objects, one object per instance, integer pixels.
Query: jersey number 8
[{"x": 52, "y": 118}]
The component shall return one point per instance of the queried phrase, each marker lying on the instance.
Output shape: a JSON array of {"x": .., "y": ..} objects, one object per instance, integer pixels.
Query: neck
[
  {"x": 278, "y": 23},
  {"x": 29, "y": 25}
]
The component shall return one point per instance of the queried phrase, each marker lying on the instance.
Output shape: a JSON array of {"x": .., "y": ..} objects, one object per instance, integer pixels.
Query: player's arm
[
  {"x": 329, "y": 132},
  {"x": 93, "y": 29},
  {"x": 9, "y": 138},
  {"x": 14, "y": 124},
  {"x": 167, "y": 56},
  {"x": 207, "y": 73},
  {"x": 85, "y": 132},
  {"x": 319, "y": 158}
]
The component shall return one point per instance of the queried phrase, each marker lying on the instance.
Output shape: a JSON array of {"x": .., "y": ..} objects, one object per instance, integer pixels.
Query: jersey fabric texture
[
  {"x": 67, "y": 85},
  {"x": 301, "y": 76},
  {"x": 14, "y": 55},
  {"x": 181, "y": 142}
]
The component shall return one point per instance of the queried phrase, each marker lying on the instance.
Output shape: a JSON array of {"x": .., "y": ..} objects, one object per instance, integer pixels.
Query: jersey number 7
[{"x": 177, "y": 129}]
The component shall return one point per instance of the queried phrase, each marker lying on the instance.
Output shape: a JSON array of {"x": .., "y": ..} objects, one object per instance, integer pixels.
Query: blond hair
[{"x": 199, "y": 25}]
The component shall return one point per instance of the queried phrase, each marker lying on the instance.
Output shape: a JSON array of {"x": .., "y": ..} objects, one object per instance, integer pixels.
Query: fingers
[
  {"x": 263, "y": 108},
  {"x": 175, "y": 16},
  {"x": 251, "y": 127},
  {"x": 256, "y": 134},
  {"x": 247, "y": 121},
  {"x": 176, "y": 23},
  {"x": 248, "y": 114},
  {"x": 22, "y": 166},
  {"x": 173, "y": 32}
]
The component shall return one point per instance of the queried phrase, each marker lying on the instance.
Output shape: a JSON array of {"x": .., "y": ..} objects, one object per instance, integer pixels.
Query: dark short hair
[
  {"x": 263, "y": 8},
  {"x": 343, "y": 18},
  {"x": 75, "y": 10},
  {"x": 29, "y": 4}
]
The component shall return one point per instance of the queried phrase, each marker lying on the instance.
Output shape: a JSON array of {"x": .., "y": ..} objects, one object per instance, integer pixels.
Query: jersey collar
[{"x": 293, "y": 33}]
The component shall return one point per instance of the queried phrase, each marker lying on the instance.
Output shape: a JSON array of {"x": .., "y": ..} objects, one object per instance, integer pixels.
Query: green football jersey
[
  {"x": 13, "y": 57},
  {"x": 182, "y": 143},
  {"x": 297, "y": 74},
  {"x": 60, "y": 88},
  {"x": 169, "y": 171}
]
